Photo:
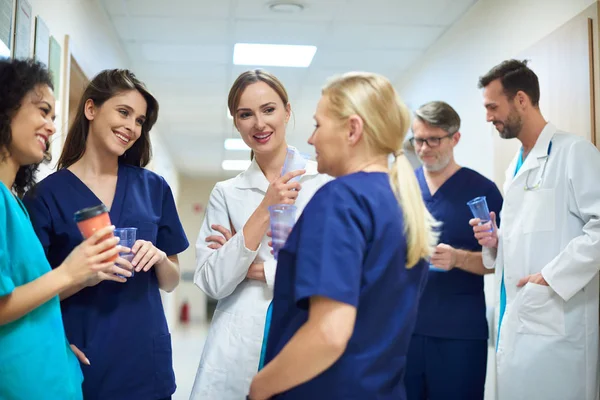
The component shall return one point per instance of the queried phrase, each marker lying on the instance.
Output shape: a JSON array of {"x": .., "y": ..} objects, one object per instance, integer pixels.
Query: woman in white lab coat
[{"x": 234, "y": 264}]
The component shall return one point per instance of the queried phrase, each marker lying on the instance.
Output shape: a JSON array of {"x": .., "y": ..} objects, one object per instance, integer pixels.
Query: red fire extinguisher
[{"x": 184, "y": 313}]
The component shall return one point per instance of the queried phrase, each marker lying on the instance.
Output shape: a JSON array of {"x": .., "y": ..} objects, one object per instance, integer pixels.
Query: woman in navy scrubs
[
  {"x": 351, "y": 272},
  {"x": 119, "y": 323}
]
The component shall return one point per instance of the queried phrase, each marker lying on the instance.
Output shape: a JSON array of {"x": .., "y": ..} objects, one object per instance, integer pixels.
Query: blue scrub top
[
  {"x": 453, "y": 303},
  {"x": 349, "y": 246},
  {"x": 121, "y": 327},
  {"x": 36, "y": 361}
]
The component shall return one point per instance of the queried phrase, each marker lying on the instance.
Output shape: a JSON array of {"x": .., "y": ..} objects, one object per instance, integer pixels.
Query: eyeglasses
[{"x": 431, "y": 142}]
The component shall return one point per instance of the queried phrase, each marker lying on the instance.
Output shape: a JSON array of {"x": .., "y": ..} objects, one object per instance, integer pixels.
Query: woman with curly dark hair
[{"x": 35, "y": 359}]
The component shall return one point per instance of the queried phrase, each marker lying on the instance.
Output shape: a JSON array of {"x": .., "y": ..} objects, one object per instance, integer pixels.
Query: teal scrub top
[{"x": 36, "y": 361}]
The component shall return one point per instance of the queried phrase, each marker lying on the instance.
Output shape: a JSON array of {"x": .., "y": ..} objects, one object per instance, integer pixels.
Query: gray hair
[{"x": 439, "y": 115}]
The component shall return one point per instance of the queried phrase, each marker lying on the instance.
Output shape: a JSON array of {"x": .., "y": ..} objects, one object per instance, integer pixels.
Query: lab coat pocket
[
  {"x": 541, "y": 311},
  {"x": 163, "y": 366},
  {"x": 539, "y": 207}
]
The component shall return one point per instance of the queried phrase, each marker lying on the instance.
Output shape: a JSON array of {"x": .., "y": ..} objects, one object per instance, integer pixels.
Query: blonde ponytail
[
  {"x": 418, "y": 222},
  {"x": 386, "y": 122}
]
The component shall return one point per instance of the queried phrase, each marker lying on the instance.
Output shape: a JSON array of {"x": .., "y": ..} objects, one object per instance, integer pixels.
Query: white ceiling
[{"x": 183, "y": 50}]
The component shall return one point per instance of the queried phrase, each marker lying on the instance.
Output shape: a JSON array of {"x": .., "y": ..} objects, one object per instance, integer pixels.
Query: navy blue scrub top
[
  {"x": 349, "y": 245},
  {"x": 121, "y": 327},
  {"x": 453, "y": 303}
]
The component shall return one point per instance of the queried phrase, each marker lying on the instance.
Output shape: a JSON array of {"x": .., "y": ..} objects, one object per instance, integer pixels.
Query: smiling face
[
  {"x": 502, "y": 111},
  {"x": 261, "y": 118},
  {"x": 32, "y": 126},
  {"x": 117, "y": 124}
]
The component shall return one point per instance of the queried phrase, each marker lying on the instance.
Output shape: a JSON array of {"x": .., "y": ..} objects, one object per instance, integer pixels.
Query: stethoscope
[{"x": 537, "y": 185}]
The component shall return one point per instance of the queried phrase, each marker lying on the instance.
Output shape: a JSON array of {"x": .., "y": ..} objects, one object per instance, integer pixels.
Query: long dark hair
[
  {"x": 104, "y": 86},
  {"x": 17, "y": 79}
]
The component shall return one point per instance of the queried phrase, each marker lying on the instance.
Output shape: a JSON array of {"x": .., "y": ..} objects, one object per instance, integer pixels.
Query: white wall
[
  {"x": 490, "y": 32},
  {"x": 193, "y": 191},
  {"x": 93, "y": 40},
  {"x": 162, "y": 163}
]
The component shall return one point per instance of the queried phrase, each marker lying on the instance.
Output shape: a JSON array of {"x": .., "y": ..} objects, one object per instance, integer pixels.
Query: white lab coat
[
  {"x": 548, "y": 345},
  {"x": 232, "y": 350}
]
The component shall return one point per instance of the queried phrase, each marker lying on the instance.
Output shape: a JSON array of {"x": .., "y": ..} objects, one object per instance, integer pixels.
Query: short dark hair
[
  {"x": 17, "y": 79},
  {"x": 515, "y": 76},
  {"x": 106, "y": 85}
]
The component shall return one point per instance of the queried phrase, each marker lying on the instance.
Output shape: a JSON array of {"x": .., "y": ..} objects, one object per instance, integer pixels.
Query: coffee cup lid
[{"x": 89, "y": 212}]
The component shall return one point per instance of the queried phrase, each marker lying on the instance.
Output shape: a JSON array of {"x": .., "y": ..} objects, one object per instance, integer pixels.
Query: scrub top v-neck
[
  {"x": 121, "y": 327},
  {"x": 453, "y": 303},
  {"x": 36, "y": 361}
]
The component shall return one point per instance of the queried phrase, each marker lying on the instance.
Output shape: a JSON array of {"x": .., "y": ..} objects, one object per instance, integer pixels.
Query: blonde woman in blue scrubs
[{"x": 351, "y": 273}]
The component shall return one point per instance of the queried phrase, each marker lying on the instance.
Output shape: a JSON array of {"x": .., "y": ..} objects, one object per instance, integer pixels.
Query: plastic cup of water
[
  {"x": 479, "y": 209},
  {"x": 127, "y": 238},
  {"x": 283, "y": 218},
  {"x": 436, "y": 269},
  {"x": 293, "y": 162}
]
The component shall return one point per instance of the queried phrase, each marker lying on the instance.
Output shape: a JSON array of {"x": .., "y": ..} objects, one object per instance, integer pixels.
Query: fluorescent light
[
  {"x": 235, "y": 144},
  {"x": 274, "y": 55},
  {"x": 235, "y": 165}
]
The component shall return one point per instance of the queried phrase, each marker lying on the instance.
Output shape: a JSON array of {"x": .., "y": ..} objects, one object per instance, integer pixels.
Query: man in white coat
[{"x": 547, "y": 254}]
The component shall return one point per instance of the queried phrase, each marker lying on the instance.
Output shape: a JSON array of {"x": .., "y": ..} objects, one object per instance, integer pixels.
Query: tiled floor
[{"x": 188, "y": 342}]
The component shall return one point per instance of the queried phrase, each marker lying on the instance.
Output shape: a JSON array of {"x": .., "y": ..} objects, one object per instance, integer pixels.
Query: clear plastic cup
[
  {"x": 294, "y": 161},
  {"x": 436, "y": 269},
  {"x": 127, "y": 238},
  {"x": 283, "y": 218},
  {"x": 479, "y": 209}
]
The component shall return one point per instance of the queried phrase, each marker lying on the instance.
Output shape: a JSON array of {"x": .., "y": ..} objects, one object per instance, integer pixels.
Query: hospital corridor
[{"x": 299, "y": 199}]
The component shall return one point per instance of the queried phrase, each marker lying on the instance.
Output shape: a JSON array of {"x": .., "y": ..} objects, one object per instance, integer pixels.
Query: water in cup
[
  {"x": 293, "y": 162},
  {"x": 283, "y": 218},
  {"x": 436, "y": 269},
  {"x": 279, "y": 232},
  {"x": 479, "y": 209},
  {"x": 127, "y": 238}
]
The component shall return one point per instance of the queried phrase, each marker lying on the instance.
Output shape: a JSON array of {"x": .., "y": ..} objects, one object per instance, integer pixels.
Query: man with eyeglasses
[
  {"x": 547, "y": 255},
  {"x": 447, "y": 357}
]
